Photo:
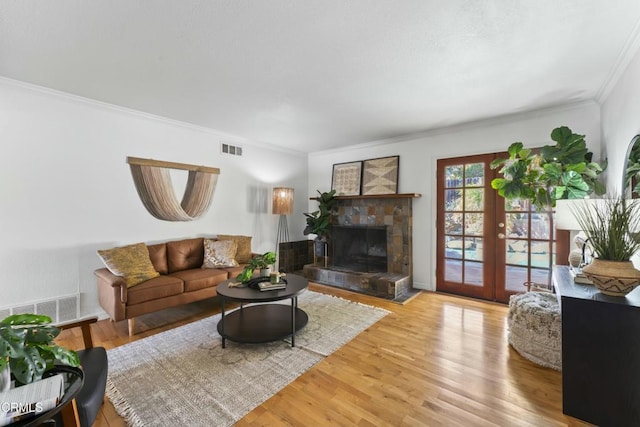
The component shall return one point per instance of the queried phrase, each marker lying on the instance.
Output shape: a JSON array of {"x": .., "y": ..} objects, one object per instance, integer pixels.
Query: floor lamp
[{"x": 283, "y": 206}]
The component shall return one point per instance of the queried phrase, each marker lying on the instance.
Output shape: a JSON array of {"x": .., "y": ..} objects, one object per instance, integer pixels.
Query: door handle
[{"x": 501, "y": 235}]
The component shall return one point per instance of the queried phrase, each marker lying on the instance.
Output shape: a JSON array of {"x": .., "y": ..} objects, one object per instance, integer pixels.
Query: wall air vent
[
  {"x": 233, "y": 150},
  {"x": 61, "y": 309}
]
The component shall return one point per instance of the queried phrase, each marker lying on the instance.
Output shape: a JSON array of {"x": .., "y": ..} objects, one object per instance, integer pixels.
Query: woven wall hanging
[{"x": 153, "y": 182}]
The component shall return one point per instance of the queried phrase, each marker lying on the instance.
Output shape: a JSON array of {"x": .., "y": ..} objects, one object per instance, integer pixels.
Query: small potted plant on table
[{"x": 259, "y": 262}]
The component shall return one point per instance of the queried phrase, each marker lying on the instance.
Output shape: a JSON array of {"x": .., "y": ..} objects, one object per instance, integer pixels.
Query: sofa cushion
[
  {"x": 130, "y": 262},
  {"x": 234, "y": 271},
  {"x": 159, "y": 287},
  {"x": 201, "y": 278},
  {"x": 219, "y": 253},
  {"x": 158, "y": 255},
  {"x": 185, "y": 254},
  {"x": 243, "y": 255}
]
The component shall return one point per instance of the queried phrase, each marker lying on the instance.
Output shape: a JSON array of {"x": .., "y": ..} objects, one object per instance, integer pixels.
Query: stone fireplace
[
  {"x": 370, "y": 229},
  {"x": 361, "y": 248}
]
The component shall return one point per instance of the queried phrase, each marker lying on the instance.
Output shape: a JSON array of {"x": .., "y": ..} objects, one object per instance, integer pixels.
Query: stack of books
[
  {"x": 268, "y": 286},
  {"x": 579, "y": 277}
]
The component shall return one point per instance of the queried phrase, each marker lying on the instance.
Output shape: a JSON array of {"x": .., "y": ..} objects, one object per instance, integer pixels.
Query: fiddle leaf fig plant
[
  {"x": 319, "y": 222},
  {"x": 27, "y": 347},
  {"x": 561, "y": 171}
]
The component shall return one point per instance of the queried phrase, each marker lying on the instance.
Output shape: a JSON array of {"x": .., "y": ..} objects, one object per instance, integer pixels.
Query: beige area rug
[{"x": 183, "y": 377}]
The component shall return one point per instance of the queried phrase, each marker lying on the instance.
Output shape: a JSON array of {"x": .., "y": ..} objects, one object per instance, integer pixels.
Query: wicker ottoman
[{"x": 535, "y": 328}]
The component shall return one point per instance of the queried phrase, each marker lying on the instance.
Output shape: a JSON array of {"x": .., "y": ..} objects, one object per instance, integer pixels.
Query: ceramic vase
[{"x": 614, "y": 278}]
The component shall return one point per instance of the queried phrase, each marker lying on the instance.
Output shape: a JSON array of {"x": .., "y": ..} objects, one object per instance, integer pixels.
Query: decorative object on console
[
  {"x": 283, "y": 206},
  {"x": 609, "y": 224},
  {"x": 153, "y": 182},
  {"x": 380, "y": 176},
  {"x": 27, "y": 347},
  {"x": 346, "y": 178}
]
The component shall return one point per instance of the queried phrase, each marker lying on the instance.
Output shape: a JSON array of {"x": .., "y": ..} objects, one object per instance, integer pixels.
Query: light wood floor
[{"x": 438, "y": 360}]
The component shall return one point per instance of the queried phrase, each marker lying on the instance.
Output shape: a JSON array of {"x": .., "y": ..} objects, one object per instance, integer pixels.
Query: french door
[{"x": 487, "y": 247}]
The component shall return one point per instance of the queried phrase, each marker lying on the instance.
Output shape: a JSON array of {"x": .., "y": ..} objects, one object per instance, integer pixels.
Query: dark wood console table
[{"x": 600, "y": 353}]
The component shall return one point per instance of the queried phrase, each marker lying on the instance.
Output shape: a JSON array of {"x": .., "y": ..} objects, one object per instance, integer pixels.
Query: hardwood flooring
[{"x": 438, "y": 360}]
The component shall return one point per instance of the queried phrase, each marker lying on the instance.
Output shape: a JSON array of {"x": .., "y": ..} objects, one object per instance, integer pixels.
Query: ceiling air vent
[{"x": 233, "y": 150}]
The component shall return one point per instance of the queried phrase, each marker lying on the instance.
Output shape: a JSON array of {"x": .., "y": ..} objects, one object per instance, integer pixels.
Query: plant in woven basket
[
  {"x": 610, "y": 225},
  {"x": 27, "y": 347}
]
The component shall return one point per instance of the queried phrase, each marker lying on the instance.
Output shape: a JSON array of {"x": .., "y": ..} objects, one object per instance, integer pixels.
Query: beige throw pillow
[
  {"x": 220, "y": 253},
  {"x": 131, "y": 262},
  {"x": 243, "y": 255}
]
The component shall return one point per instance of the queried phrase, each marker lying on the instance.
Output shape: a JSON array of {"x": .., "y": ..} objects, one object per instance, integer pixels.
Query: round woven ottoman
[{"x": 535, "y": 328}]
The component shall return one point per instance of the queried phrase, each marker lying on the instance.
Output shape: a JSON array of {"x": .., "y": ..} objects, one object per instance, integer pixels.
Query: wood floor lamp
[{"x": 283, "y": 206}]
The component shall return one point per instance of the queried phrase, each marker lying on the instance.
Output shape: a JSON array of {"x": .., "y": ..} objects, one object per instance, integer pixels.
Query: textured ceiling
[{"x": 312, "y": 75}]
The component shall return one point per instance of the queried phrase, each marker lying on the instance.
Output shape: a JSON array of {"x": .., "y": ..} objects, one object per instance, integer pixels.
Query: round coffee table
[{"x": 262, "y": 322}]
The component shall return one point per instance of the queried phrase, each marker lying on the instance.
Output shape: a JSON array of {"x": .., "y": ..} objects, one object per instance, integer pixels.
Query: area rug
[{"x": 184, "y": 377}]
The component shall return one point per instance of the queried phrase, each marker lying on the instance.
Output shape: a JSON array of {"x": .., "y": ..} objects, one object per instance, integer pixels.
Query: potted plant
[
  {"x": 319, "y": 222},
  {"x": 609, "y": 224},
  {"x": 27, "y": 349},
  {"x": 561, "y": 171},
  {"x": 259, "y": 262}
]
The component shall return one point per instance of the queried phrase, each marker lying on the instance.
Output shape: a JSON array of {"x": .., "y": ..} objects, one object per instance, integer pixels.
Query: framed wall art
[
  {"x": 380, "y": 176},
  {"x": 346, "y": 178}
]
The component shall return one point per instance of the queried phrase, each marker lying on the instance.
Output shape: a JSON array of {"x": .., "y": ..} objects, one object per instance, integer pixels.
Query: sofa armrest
[{"x": 112, "y": 293}]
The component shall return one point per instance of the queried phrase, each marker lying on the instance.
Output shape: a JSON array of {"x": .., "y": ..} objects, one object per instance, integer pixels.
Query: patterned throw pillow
[
  {"x": 131, "y": 262},
  {"x": 219, "y": 253},
  {"x": 244, "y": 247}
]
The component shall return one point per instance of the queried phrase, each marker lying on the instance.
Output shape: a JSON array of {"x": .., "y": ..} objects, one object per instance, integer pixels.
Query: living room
[{"x": 68, "y": 191}]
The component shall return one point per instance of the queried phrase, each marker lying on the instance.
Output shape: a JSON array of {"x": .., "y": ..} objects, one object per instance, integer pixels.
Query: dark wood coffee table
[{"x": 262, "y": 322}]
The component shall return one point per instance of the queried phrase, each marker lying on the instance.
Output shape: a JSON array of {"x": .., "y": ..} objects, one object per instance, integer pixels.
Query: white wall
[
  {"x": 621, "y": 121},
  {"x": 419, "y": 155},
  {"x": 66, "y": 190}
]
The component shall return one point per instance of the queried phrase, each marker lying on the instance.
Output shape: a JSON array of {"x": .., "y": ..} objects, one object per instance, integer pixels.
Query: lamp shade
[
  {"x": 282, "y": 201},
  {"x": 566, "y": 219}
]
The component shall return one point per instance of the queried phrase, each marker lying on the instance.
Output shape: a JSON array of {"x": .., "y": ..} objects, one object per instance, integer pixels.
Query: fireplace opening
[{"x": 360, "y": 248}]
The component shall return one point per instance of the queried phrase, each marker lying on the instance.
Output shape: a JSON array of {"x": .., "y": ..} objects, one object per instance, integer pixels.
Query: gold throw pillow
[
  {"x": 243, "y": 255},
  {"x": 131, "y": 262}
]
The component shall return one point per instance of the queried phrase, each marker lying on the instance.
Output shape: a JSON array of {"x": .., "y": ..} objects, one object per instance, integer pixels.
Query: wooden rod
[{"x": 171, "y": 165}]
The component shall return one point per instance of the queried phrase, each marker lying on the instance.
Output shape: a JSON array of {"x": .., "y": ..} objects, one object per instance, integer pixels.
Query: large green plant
[
  {"x": 561, "y": 171},
  {"x": 319, "y": 222},
  {"x": 26, "y": 345}
]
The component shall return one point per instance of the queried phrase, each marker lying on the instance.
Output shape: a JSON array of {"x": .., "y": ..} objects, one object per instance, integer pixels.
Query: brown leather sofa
[{"x": 181, "y": 281}]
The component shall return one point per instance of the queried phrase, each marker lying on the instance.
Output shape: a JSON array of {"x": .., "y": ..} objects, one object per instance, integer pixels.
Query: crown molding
[
  {"x": 629, "y": 50},
  {"x": 221, "y": 137}
]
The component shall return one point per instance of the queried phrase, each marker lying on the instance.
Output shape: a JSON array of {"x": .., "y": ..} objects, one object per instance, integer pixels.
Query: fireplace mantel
[{"x": 377, "y": 196}]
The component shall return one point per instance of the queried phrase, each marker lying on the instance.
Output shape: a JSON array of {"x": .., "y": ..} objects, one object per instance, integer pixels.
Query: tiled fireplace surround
[{"x": 392, "y": 211}]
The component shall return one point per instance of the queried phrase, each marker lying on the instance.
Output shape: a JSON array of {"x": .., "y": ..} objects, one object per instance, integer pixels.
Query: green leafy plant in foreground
[{"x": 26, "y": 346}]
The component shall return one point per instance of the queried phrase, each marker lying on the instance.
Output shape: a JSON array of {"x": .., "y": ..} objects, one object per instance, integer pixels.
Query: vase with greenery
[
  {"x": 565, "y": 170},
  {"x": 610, "y": 225},
  {"x": 259, "y": 262},
  {"x": 319, "y": 222},
  {"x": 27, "y": 348}
]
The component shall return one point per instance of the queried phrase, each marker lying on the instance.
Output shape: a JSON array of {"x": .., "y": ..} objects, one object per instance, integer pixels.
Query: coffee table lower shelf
[{"x": 261, "y": 323}]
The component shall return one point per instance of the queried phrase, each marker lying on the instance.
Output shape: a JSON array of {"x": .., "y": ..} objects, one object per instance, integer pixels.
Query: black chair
[{"x": 93, "y": 360}]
